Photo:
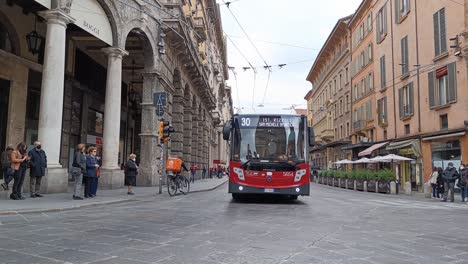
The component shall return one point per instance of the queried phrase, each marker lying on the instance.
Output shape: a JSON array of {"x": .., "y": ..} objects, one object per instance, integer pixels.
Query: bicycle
[{"x": 177, "y": 182}]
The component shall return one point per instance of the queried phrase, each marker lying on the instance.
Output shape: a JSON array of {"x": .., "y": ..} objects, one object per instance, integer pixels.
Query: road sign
[
  {"x": 160, "y": 99},
  {"x": 159, "y": 110}
]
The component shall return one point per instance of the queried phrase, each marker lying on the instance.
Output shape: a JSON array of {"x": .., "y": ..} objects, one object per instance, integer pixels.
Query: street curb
[
  {"x": 120, "y": 201},
  {"x": 210, "y": 189}
]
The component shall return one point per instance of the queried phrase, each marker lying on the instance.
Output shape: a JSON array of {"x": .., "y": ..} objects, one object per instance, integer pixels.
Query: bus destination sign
[{"x": 275, "y": 121}]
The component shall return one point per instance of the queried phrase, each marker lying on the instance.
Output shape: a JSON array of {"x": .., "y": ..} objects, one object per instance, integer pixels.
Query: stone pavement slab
[{"x": 64, "y": 201}]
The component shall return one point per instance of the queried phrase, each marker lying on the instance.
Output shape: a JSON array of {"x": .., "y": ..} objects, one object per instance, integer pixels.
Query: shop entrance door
[{"x": 4, "y": 99}]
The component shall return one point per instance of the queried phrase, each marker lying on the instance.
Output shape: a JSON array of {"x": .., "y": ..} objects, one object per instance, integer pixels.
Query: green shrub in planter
[{"x": 385, "y": 175}]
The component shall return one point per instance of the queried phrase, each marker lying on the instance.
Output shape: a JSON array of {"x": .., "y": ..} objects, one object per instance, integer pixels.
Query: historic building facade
[
  {"x": 409, "y": 79},
  {"x": 329, "y": 102},
  {"x": 88, "y": 71}
]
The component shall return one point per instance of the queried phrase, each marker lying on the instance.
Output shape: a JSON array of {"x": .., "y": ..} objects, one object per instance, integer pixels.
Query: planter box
[
  {"x": 336, "y": 183},
  {"x": 350, "y": 184},
  {"x": 343, "y": 183},
  {"x": 383, "y": 186},
  {"x": 329, "y": 181},
  {"x": 360, "y": 185},
  {"x": 371, "y": 185}
]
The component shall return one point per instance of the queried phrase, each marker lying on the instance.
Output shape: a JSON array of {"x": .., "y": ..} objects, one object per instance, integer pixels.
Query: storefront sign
[
  {"x": 406, "y": 151},
  {"x": 91, "y": 17}
]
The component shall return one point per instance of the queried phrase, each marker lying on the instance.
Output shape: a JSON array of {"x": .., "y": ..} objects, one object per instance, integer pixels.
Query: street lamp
[{"x": 34, "y": 40}]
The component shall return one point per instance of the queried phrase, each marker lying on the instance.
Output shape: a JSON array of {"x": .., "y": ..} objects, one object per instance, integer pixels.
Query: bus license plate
[{"x": 269, "y": 190}]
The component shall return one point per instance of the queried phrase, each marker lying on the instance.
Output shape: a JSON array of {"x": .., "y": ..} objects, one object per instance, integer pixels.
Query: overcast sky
[{"x": 305, "y": 23}]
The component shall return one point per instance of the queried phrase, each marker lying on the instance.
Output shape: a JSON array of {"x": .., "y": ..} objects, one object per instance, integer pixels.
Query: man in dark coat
[
  {"x": 450, "y": 176},
  {"x": 38, "y": 164}
]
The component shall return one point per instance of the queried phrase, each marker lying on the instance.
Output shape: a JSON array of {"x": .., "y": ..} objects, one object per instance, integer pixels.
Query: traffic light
[{"x": 165, "y": 130}]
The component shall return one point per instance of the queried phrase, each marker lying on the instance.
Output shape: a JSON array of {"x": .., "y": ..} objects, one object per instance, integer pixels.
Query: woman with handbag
[
  {"x": 91, "y": 172},
  {"x": 7, "y": 170},
  {"x": 19, "y": 162},
  {"x": 131, "y": 171}
]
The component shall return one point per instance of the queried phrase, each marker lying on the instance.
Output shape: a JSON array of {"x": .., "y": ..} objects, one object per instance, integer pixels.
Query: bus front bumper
[{"x": 298, "y": 190}]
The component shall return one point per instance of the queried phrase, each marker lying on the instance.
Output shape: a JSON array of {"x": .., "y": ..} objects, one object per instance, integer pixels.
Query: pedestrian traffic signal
[{"x": 165, "y": 130}]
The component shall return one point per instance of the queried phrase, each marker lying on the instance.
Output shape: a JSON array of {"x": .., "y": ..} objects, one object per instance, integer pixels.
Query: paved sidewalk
[{"x": 64, "y": 201}]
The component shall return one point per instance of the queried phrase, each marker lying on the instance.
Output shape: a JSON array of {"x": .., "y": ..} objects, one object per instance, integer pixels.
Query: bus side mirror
[
  {"x": 227, "y": 130},
  {"x": 311, "y": 136}
]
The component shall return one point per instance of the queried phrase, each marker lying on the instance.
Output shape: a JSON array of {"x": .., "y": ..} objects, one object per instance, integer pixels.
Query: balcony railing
[{"x": 359, "y": 125}]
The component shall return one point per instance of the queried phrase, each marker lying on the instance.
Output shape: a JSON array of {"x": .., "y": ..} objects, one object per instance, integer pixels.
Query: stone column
[
  {"x": 111, "y": 177},
  {"x": 51, "y": 110},
  {"x": 188, "y": 130},
  {"x": 195, "y": 142},
  {"x": 149, "y": 140},
  {"x": 178, "y": 124}
]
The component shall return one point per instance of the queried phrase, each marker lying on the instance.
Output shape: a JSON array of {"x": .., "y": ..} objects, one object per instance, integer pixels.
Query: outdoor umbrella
[
  {"x": 393, "y": 157},
  {"x": 363, "y": 160},
  {"x": 380, "y": 159},
  {"x": 345, "y": 161}
]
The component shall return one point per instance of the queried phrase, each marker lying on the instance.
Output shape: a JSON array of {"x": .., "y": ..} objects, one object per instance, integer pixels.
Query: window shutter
[
  {"x": 452, "y": 82},
  {"x": 385, "y": 110},
  {"x": 371, "y": 81},
  {"x": 379, "y": 112},
  {"x": 400, "y": 102},
  {"x": 411, "y": 98},
  {"x": 370, "y": 53},
  {"x": 397, "y": 11},
  {"x": 371, "y": 114},
  {"x": 443, "y": 41},
  {"x": 404, "y": 55},
  {"x": 431, "y": 84},
  {"x": 436, "y": 33}
]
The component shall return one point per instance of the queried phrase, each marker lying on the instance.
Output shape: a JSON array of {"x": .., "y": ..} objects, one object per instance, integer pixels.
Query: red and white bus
[{"x": 269, "y": 154}]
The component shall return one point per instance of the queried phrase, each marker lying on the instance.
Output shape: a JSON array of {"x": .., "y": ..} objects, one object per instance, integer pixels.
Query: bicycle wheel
[
  {"x": 184, "y": 185},
  {"x": 171, "y": 186}
]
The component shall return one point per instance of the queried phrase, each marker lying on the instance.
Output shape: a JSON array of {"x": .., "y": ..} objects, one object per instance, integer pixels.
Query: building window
[
  {"x": 347, "y": 103},
  {"x": 382, "y": 111},
  {"x": 443, "y": 122},
  {"x": 404, "y": 56},
  {"x": 440, "y": 37},
  {"x": 334, "y": 87},
  {"x": 371, "y": 81},
  {"x": 341, "y": 107},
  {"x": 443, "y": 85},
  {"x": 407, "y": 129},
  {"x": 406, "y": 100},
  {"x": 402, "y": 8},
  {"x": 341, "y": 131},
  {"x": 369, "y": 112},
  {"x": 381, "y": 24},
  {"x": 341, "y": 82},
  {"x": 369, "y": 23},
  {"x": 5, "y": 41},
  {"x": 369, "y": 54},
  {"x": 383, "y": 74},
  {"x": 371, "y": 135},
  {"x": 347, "y": 129},
  {"x": 347, "y": 75},
  {"x": 385, "y": 135}
]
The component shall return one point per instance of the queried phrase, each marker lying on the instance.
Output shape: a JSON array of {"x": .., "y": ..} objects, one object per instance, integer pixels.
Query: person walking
[
  {"x": 440, "y": 181},
  {"x": 433, "y": 182},
  {"x": 193, "y": 170},
  {"x": 203, "y": 172},
  {"x": 38, "y": 164},
  {"x": 8, "y": 172},
  {"x": 463, "y": 182},
  {"x": 78, "y": 170},
  {"x": 450, "y": 176},
  {"x": 131, "y": 172},
  {"x": 91, "y": 172},
  {"x": 19, "y": 162}
]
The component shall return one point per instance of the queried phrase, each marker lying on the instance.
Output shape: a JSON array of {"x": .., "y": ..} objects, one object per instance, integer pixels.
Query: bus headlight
[
  {"x": 299, "y": 175},
  {"x": 240, "y": 173}
]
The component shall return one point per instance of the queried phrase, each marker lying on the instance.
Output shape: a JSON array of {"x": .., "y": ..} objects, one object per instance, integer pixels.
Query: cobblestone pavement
[{"x": 330, "y": 226}]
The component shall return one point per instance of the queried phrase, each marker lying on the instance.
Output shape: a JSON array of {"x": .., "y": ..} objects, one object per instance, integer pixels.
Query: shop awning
[
  {"x": 357, "y": 145},
  {"x": 370, "y": 149},
  {"x": 445, "y": 136},
  {"x": 411, "y": 143}
]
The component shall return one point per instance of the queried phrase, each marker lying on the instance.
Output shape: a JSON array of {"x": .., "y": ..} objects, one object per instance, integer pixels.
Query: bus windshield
[{"x": 268, "y": 138}]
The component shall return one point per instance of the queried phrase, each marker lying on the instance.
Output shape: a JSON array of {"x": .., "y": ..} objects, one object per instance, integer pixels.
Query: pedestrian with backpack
[{"x": 450, "y": 176}]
